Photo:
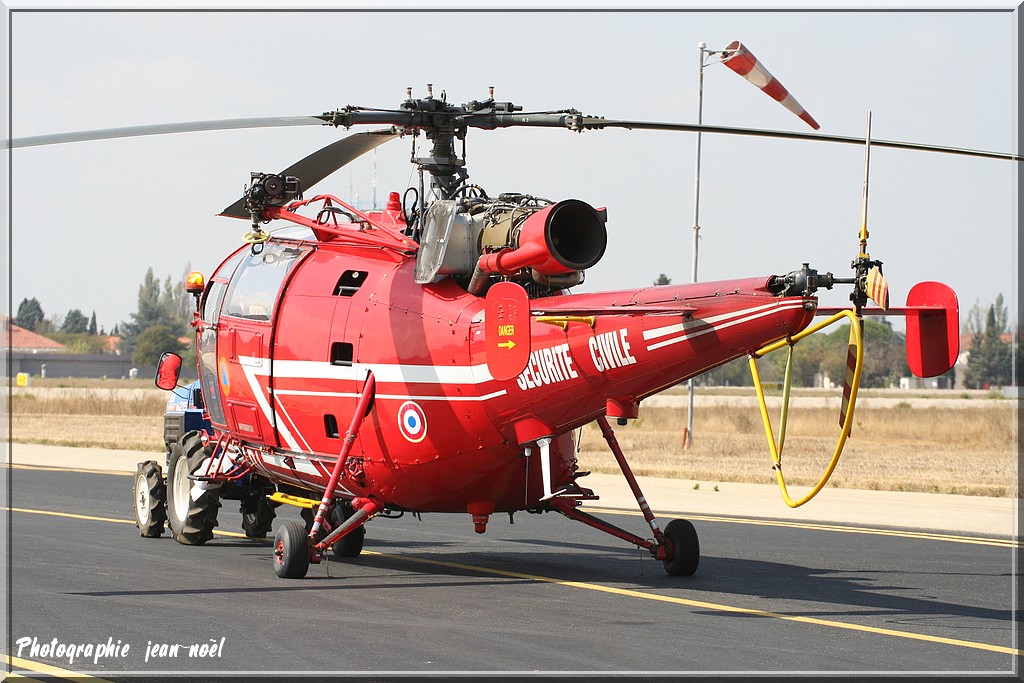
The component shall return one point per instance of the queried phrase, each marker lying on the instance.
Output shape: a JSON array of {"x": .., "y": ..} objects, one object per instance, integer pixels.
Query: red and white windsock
[{"x": 742, "y": 61}]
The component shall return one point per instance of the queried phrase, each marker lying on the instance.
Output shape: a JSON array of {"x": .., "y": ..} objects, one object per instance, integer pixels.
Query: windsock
[{"x": 742, "y": 61}]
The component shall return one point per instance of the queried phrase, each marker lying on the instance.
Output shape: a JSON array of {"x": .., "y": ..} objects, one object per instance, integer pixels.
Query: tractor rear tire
[
  {"x": 191, "y": 520},
  {"x": 150, "y": 494},
  {"x": 291, "y": 551},
  {"x": 683, "y": 550}
]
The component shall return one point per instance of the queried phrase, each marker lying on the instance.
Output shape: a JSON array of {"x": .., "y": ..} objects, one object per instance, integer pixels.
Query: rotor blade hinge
[{"x": 270, "y": 189}]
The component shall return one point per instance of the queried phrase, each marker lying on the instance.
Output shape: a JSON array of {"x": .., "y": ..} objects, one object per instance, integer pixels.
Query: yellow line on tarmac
[
  {"x": 38, "y": 667},
  {"x": 89, "y": 518},
  {"x": 621, "y": 591},
  {"x": 813, "y": 526},
  {"x": 76, "y": 470},
  {"x": 817, "y": 526},
  {"x": 717, "y": 607},
  {"x": 72, "y": 516}
]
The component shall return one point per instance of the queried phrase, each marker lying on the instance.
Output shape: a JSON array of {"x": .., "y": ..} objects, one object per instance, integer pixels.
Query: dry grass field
[
  {"x": 967, "y": 450},
  {"x": 909, "y": 446}
]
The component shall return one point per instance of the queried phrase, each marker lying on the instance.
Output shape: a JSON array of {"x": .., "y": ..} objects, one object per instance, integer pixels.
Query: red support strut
[
  {"x": 362, "y": 408},
  {"x": 613, "y": 444},
  {"x": 567, "y": 506}
]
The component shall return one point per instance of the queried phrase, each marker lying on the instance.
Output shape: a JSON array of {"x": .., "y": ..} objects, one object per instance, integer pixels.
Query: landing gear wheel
[
  {"x": 291, "y": 551},
  {"x": 683, "y": 548},
  {"x": 257, "y": 516},
  {"x": 150, "y": 494},
  {"x": 351, "y": 544},
  {"x": 191, "y": 521}
]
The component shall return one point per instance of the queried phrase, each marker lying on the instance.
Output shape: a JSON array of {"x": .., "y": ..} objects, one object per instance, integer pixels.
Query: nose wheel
[
  {"x": 682, "y": 548},
  {"x": 291, "y": 551}
]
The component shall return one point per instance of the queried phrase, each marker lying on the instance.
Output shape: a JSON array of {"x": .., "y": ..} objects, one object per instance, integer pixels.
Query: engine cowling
[{"x": 522, "y": 239}]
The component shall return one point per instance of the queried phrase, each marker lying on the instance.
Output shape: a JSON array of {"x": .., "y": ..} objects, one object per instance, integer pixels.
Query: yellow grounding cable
[{"x": 857, "y": 346}]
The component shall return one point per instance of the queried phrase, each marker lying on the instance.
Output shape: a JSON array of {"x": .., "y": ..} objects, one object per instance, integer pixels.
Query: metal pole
[{"x": 696, "y": 219}]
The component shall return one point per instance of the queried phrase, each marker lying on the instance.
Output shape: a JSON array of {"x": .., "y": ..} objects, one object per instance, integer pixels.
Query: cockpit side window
[
  {"x": 211, "y": 305},
  {"x": 254, "y": 287}
]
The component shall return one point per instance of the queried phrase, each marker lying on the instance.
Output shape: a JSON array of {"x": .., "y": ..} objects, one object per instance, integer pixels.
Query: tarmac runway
[{"x": 855, "y": 582}]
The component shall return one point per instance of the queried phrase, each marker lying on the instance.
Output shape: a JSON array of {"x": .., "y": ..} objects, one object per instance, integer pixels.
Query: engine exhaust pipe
[{"x": 563, "y": 238}]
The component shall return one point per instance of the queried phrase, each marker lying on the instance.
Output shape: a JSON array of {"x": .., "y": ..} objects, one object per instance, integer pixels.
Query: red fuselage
[
  {"x": 288, "y": 334},
  {"x": 442, "y": 433}
]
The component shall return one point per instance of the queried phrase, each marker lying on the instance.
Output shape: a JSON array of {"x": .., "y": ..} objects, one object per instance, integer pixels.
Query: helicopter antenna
[{"x": 864, "y": 200}]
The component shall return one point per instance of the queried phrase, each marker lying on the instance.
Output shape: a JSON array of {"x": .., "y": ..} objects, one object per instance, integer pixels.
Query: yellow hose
[{"x": 776, "y": 450}]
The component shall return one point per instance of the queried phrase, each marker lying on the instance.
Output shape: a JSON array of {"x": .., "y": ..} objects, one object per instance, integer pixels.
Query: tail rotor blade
[
  {"x": 848, "y": 381},
  {"x": 878, "y": 288}
]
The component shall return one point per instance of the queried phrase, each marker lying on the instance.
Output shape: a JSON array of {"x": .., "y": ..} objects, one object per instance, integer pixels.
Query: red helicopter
[{"x": 429, "y": 357}]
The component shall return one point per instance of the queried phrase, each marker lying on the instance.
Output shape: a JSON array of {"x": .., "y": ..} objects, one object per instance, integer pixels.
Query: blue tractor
[{"x": 191, "y": 510}]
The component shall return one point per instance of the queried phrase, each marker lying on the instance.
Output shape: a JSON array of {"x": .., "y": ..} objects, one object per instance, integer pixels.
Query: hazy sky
[{"x": 89, "y": 218}]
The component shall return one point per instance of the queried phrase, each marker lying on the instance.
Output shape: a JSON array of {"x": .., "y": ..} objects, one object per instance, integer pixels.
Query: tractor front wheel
[{"x": 150, "y": 494}]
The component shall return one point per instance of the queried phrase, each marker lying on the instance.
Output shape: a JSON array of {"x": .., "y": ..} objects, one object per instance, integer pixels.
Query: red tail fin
[{"x": 933, "y": 329}]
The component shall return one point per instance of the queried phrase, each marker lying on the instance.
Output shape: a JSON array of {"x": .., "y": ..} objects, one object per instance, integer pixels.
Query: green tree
[
  {"x": 662, "y": 279},
  {"x": 178, "y": 302},
  {"x": 990, "y": 361},
  {"x": 152, "y": 343},
  {"x": 885, "y": 358},
  {"x": 156, "y": 306},
  {"x": 75, "y": 322},
  {"x": 92, "y": 324},
  {"x": 81, "y": 342},
  {"x": 50, "y": 325},
  {"x": 30, "y": 314}
]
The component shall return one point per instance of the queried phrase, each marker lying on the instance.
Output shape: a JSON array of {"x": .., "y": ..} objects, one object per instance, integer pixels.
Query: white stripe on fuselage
[
  {"x": 471, "y": 375},
  {"x": 397, "y": 397},
  {"x": 679, "y": 327},
  {"x": 734, "y": 318},
  {"x": 253, "y": 367},
  {"x": 382, "y": 373}
]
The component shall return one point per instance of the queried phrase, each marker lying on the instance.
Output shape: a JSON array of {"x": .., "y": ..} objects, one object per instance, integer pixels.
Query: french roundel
[{"x": 412, "y": 422}]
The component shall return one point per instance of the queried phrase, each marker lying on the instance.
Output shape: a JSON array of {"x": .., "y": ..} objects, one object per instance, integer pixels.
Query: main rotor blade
[
  {"x": 325, "y": 161},
  {"x": 588, "y": 122},
  {"x": 162, "y": 128}
]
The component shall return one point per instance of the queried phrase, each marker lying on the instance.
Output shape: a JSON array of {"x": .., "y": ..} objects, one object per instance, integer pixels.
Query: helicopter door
[
  {"x": 244, "y": 341},
  {"x": 315, "y": 346}
]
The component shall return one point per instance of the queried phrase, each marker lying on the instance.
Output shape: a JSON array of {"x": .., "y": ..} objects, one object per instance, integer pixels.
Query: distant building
[
  {"x": 38, "y": 356},
  {"x": 17, "y": 338}
]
